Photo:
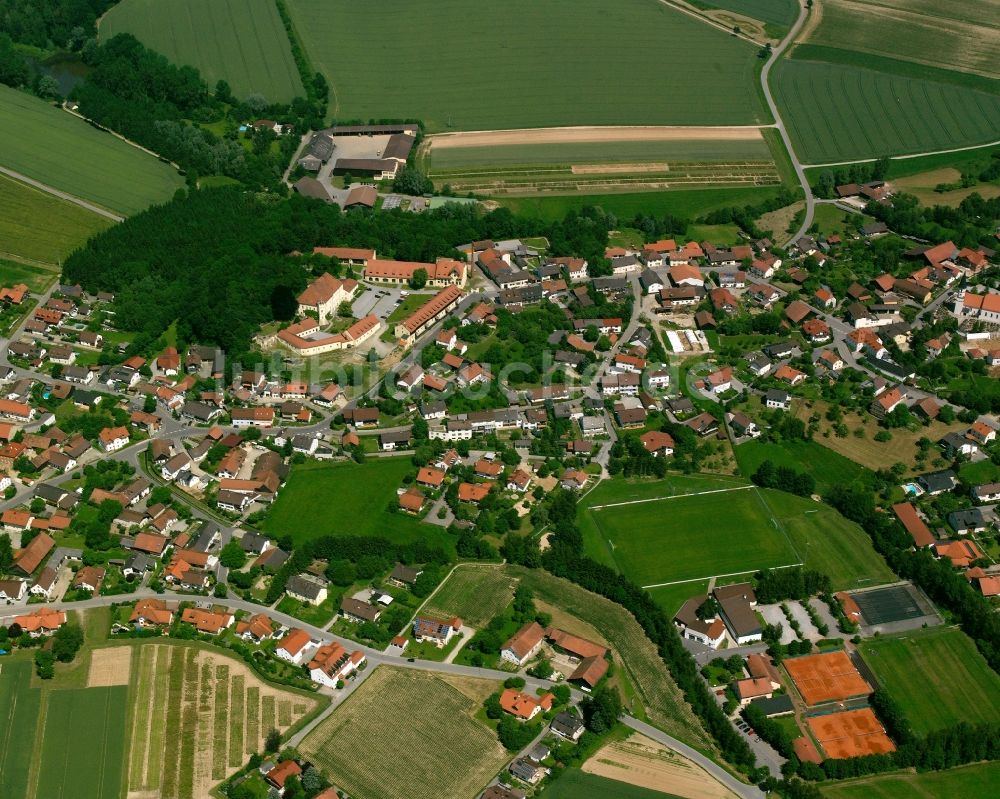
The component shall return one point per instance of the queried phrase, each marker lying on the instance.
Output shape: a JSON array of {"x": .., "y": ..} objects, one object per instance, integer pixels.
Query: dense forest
[{"x": 213, "y": 259}]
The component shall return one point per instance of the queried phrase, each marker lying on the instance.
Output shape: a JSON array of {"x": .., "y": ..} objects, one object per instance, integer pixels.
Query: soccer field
[
  {"x": 525, "y": 63},
  {"x": 690, "y": 537},
  {"x": 84, "y": 746},
  {"x": 866, "y": 114},
  {"x": 64, "y": 152},
  {"x": 240, "y": 41},
  {"x": 937, "y": 676},
  {"x": 40, "y": 226},
  {"x": 326, "y": 499}
]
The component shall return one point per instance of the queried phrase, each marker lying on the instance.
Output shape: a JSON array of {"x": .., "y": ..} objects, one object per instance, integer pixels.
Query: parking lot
[{"x": 380, "y": 301}]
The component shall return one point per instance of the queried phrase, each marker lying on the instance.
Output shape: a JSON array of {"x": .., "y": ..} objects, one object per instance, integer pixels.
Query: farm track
[{"x": 62, "y": 195}]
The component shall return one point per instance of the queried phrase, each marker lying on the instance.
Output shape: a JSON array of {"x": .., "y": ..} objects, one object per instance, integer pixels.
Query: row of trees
[{"x": 784, "y": 478}]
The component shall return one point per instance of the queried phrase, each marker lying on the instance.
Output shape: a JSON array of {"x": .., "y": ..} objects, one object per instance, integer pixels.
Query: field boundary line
[
  {"x": 62, "y": 195},
  {"x": 674, "y": 496},
  {"x": 716, "y": 576},
  {"x": 778, "y": 525},
  {"x": 906, "y": 157}
]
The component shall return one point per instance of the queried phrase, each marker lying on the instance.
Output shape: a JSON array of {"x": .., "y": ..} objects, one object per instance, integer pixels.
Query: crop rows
[{"x": 476, "y": 594}]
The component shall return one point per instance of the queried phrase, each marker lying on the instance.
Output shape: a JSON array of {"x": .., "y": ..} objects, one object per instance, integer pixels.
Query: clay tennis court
[
  {"x": 826, "y": 678},
  {"x": 851, "y": 734},
  {"x": 493, "y": 138}
]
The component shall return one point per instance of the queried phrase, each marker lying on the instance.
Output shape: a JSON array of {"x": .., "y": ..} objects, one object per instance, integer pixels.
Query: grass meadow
[
  {"x": 406, "y": 734},
  {"x": 36, "y": 278},
  {"x": 40, "y": 226},
  {"x": 937, "y": 676},
  {"x": 825, "y": 465},
  {"x": 961, "y": 35},
  {"x": 240, "y": 41},
  {"x": 866, "y": 113},
  {"x": 528, "y": 64},
  {"x": 474, "y": 593},
  {"x": 84, "y": 747},
  {"x": 62, "y": 151},
  {"x": 324, "y": 499},
  {"x": 968, "y": 781},
  {"x": 19, "y": 709}
]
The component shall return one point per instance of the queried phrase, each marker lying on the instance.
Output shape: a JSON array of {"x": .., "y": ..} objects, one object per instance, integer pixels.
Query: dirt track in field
[
  {"x": 611, "y": 169},
  {"x": 642, "y": 762},
  {"x": 495, "y": 138}
]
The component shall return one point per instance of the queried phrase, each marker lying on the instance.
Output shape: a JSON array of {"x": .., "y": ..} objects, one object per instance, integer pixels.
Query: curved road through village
[{"x": 780, "y": 125}]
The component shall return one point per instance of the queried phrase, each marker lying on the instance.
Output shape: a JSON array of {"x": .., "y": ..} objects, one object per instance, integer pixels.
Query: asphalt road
[{"x": 780, "y": 124}]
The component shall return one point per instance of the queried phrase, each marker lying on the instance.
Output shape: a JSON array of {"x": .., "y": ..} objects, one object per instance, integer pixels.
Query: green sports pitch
[
  {"x": 525, "y": 63},
  {"x": 240, "y": 41},
  {"x": 691, "y": 528}
]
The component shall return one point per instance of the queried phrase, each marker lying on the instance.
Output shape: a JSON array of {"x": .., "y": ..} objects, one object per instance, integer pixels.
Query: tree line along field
[
  {"x": 473, "y": 593},
  {"x": 645, "y": 683},
  {"x": 967, "y": 781},
  {"x": 84, "y": 745},
  {"x": 937, "y": 677},
  {"x": 305, "y": 507},
  {"x": 667, "y": 537},
  {"x": 864, "y": 113},
  {"x": 961, "y": 35},
  {"x": 405, "y": 734},
  {"x": 240, "y": 41},
  {"x": 62, "y": 151},
  {"x": 197, "y": 716},
  {"x": 528, "y": 64},
  {"x": 40, "y": 226}
]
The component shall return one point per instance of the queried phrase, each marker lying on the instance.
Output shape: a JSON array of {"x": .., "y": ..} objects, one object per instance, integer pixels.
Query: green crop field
[
  {"x": 865, "y": 114},
  {"x": 528, "y": 64},
  {"x": 19, "y": 706},
  {"x": 574, "y": 783},
  {"x": 41, "y": 226},
  {"x": 968, "y": 781},
  {"x": 959, "y": 35},
  {"x": 937, "y": 676},
  {"x": 474, "y": 593},
  {"x": 83, "y": 749},
  {"x": 777, "y": 12},
  {"x": 683, "y": 538},
  {"x": 407, "y": 735},
  {"x": 66, "y": 153},
  {"x": 240, "y": 41},
  {"x": 323, "y": 499}
]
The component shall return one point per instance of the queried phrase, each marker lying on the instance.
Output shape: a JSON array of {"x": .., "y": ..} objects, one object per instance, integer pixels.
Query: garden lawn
[
  {"x": 19, "y": 708},
  {"x": 979, "y": 473},
  {"x": 574, "y": 783},
  {"x": 937, "y": 676},
  {"x": 83, "y": 750},
  {"x": 866, "y": 114},
  {"x": 63, "y": 151},
  {"x": 967, "y": 781},
  {"x": 473, "y": 593},
  {"x": 343, "y": 499},
  {"x": 240, "y": 41},
  {"x": 684, "y": 538},
  {"x": 409, "y": 304},
  {"x": 542, "y": 71},
  {"x": 40, "y": 226},
  {"x": 826, "y": 466}
]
